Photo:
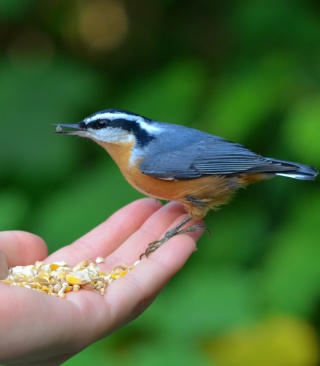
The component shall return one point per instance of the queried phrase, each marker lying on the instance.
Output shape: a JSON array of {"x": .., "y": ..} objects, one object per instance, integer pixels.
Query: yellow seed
[
  {"x": 8, "y": 282},
  {"x": 68, "y": 288},
  {"x": 100, "y": 273},
  {"x": 44, "y": 275},
  {"x": 40, "y": 280},
  {"x": 73, "y": 280},
  {"x": 122, "y": 273},
  {"x": 76, "y": 288},
  {"x": 83, "y": 263},
  {"x": 54, "y": 266}
]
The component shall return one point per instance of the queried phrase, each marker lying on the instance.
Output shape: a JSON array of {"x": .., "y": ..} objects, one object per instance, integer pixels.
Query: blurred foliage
[{"x": 246, "y": 70}]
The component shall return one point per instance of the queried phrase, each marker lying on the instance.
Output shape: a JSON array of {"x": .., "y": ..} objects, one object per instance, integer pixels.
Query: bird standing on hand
[{"x": 177, "y": 163}]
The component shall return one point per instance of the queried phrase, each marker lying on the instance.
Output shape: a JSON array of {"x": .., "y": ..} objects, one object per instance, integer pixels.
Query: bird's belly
[{"x": 197, "y": 195}]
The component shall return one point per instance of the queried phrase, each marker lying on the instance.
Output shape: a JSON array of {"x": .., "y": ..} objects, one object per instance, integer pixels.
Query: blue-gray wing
[{"x": 199, "y": 154}]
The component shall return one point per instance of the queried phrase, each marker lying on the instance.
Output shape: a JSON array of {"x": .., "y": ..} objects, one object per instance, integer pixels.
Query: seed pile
[{"x": 56, "y": 279}]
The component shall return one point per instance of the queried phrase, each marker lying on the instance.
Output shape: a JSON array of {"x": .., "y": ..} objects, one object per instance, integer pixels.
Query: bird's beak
[{"x": 76, "y": 127}]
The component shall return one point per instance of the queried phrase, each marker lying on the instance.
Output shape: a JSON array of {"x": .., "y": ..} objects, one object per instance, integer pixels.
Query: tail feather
[{"x": 294, "y": 170}]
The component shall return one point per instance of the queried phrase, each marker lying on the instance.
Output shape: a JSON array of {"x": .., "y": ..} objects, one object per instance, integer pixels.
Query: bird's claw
[{"x": 153, "y": 246}]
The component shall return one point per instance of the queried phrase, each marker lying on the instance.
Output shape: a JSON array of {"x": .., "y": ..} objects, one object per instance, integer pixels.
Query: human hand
[
  {"x": 37, "y": 329},
  {"x": 3, "y": 266}
]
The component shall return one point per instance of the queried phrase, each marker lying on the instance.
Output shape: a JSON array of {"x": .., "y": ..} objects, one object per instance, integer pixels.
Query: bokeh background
[{"x": 245, "y": 70}]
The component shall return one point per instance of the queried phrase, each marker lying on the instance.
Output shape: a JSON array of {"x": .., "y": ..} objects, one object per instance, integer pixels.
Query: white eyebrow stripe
[{"x": 113, "y": 116}]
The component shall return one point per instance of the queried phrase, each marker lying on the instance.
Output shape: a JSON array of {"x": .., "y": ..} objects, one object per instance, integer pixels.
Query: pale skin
[{"x": 37, "y": 329}]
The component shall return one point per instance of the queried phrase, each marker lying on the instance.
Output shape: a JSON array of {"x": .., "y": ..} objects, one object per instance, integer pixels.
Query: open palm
[{"x": 43, "y": 330}]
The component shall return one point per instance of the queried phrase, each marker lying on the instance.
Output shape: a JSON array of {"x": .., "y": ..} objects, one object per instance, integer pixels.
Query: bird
[{"x": 177, "y": 163}]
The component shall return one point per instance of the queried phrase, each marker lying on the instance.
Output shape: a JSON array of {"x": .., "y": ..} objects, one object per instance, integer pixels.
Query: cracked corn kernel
[
  {"x": 57, "y": 279},
  {"x": 72, "y": 279},
  {"x": 83, "y": 263},
  {"x": 75, "y": 288}
]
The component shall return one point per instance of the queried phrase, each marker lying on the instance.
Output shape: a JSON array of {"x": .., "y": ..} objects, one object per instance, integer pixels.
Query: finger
[
  {"x": 105, "y": 238},
  {"x": 145, "y": 281},
  {"x": 22, "y": 248},
  {"x": 152, "y": 229},
  {"x": 3, "y": 266}
]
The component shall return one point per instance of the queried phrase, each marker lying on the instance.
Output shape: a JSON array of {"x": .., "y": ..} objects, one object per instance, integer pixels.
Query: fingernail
[{"x": 4, "y": 270}]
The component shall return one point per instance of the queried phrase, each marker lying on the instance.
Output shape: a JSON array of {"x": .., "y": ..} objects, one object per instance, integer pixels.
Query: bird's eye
[{"x": 101, "y": 124}]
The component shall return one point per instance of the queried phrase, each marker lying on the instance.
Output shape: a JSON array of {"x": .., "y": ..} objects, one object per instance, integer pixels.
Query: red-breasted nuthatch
[{"x": 176, "y": 163}]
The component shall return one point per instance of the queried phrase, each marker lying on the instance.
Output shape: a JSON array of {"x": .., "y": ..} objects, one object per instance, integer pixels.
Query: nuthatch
[{"x": 176, "y": 163}]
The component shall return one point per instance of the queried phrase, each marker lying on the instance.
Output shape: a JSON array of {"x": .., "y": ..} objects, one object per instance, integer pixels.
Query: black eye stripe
[
  {"x": 98, "y": 125},
  {"x": 101, "y": 124},
  {"x": 143, "y": 137}
]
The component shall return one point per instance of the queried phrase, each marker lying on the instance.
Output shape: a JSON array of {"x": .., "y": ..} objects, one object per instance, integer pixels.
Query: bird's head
[{"x": 114, "y": 126}]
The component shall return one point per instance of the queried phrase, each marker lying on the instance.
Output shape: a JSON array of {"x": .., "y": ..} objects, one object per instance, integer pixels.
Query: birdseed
[{"x": 57, "y": 279}]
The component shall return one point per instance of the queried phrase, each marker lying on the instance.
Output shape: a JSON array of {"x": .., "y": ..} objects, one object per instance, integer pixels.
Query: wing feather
[{"x": 199, "y": 154}]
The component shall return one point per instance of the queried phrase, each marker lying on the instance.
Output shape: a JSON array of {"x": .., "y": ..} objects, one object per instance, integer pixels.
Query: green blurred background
[{"x": 245, "y": 70}]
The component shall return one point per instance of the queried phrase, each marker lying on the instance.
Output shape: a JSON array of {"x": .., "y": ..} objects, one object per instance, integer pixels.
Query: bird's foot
[{"x": 170, "y": 234}]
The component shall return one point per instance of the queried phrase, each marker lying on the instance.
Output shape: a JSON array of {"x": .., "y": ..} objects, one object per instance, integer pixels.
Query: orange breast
[{"x": 197, "y": 195}]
